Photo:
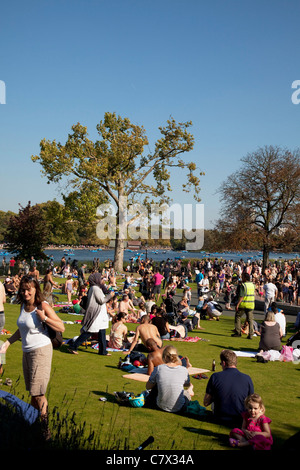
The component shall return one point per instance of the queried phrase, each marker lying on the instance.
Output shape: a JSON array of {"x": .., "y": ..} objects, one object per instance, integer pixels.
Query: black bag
[
  {"x": 83, "y": 302},
  {"x": 137, "y": 356},
  {"x": 55, "y": 336},
  {"x": 218, "y": 307}
]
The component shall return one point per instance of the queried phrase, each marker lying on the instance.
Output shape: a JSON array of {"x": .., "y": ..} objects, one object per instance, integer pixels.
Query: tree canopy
[
  {"x": 261, "y": 200},
  {"x": 116, "y": 166},
  {"x": 27, "y": 233}
]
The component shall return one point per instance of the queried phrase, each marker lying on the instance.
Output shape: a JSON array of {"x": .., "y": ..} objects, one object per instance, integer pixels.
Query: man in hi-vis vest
[{"x": 245, "y": 305}]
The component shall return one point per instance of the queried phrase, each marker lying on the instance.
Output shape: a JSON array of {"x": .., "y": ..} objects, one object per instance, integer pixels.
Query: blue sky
[{"x": 228, "y": 66}]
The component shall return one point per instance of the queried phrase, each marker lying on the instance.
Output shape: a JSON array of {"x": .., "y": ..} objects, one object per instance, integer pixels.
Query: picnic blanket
[
  {"x": 189, "y": 339},
  {"x": 245, "y": 353},
  {"x": 27, "y": 411},
  {"x": 143, "y": 376}
]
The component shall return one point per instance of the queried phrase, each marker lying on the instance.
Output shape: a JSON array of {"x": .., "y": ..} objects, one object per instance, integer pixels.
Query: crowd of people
[{"x": 145, "y": 298}]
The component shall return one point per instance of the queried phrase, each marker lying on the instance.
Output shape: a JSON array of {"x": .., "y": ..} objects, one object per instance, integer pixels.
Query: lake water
[
  {"x": 160, "y": 255},
  {"x": 156, "y": 255}
]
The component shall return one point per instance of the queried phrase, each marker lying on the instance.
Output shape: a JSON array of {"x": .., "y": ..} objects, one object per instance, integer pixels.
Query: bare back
[{"x": 147, "y": 330}]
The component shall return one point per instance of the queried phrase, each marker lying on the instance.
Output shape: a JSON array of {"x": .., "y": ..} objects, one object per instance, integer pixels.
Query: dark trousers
[
  {"x": 102, "y": 342},
  {"x": 249, "y": 318}
]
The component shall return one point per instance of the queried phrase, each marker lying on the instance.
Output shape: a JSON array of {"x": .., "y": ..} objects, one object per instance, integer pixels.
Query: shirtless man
[
  {"x": 144, "y": 331},
  {"x": 154, "y": 358}
]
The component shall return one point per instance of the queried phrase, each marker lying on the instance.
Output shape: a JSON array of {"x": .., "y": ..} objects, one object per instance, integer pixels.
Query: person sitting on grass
[
  {"x": 255, "y": 429},
  {"x": 118, "y": 333},
  {"x": 144, "y": 331},
  {"x": 227, "y": 390},
  {"x": 127, "y": 306},
  {"x": 155, "y": 356},
  {"x": 170, "y": 380}
]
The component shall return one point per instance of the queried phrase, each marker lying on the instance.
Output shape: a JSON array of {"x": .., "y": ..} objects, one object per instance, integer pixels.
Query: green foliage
[
  {"x": 116, "y": 166},
  {"x": 27, "y": 233}
]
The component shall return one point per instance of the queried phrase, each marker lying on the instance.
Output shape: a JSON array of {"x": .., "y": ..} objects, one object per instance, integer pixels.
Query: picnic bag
[{"x": 286, "y": 354}]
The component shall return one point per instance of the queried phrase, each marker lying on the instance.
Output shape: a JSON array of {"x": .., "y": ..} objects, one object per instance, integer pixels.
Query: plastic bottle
[{"x": 213, "y": 367}]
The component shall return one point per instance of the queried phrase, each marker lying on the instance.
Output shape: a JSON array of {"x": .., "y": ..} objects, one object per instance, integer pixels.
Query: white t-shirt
[
  {"x": 270, "y": 290},
  {"x": 211, "y": 307}
]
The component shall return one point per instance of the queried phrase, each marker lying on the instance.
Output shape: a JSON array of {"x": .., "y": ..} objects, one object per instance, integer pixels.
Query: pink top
[{"x": 157, "y": 279}]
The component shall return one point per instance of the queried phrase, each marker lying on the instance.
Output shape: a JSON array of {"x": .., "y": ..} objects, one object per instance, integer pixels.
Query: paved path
[{"x": 289, "y": 311}]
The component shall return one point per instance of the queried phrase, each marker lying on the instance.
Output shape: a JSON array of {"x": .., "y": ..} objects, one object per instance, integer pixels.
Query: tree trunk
[
  {"x": 119, "y": 254},
  {"x": 266, "y": 252}
]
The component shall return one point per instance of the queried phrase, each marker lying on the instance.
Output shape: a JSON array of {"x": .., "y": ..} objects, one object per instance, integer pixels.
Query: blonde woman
[{"x": 170, "y": 379}]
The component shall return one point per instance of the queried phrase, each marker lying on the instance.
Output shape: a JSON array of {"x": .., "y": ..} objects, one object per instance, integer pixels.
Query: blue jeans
[
  {"x": 166, "y": 336},
  {"x": 84, "y": 336}
]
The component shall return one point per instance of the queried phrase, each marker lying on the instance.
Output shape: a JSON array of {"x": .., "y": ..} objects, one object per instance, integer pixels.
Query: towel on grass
[{"x": 142, "y": 376}]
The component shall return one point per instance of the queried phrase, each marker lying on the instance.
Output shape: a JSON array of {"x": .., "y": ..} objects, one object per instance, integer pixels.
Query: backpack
[{"x": 218, "y": 307}]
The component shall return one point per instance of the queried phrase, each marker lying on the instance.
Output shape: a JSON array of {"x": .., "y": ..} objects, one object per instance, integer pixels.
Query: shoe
[
  {"x": 236, "y": 335},
  {"x": 233, "y": 442},
  {"x": 200, "y": 376},
  {"x": 249, "y": 337}
]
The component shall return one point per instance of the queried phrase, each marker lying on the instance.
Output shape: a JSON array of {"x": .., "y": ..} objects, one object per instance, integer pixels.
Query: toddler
[{"x": 255, "y": 430}]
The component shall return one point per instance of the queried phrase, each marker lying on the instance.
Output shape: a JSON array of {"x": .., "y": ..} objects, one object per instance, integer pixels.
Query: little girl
[
  {"x": 69, "y": 288},
  {"x": 255, "y": 428}
]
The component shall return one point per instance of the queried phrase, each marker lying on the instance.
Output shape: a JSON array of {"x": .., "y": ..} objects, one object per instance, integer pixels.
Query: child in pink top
[{"x": 255, "y": 428}]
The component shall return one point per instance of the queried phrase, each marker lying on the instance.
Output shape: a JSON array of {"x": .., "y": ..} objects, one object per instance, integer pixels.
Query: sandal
[
  {"x": 8, "y": 382},
  {"x": 200, "y": 376},
  {"x": 233, "y": 442}
]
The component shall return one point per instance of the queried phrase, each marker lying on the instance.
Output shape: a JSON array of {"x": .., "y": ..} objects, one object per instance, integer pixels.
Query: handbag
[
  {"x": 83, "y": 302},
  {"x": 55, "y": 336}
]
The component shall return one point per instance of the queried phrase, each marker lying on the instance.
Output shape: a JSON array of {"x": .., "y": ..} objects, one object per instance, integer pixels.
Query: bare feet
[
  {"x": 72, "y": 351},
  {"x": 188, "y": 364},
  {"x": 190, "y": 389}
]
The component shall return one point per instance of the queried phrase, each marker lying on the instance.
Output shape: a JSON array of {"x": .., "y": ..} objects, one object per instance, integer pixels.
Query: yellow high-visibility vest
[{"x": 249, "y": 299}]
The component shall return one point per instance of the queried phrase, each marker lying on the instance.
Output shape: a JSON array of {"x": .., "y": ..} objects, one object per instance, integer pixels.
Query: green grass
[{"x": 78, "y": 382}]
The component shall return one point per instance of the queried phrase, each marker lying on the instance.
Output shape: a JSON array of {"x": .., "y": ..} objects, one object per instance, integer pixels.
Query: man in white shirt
[
  {"x": 270, "y": 293},
  {"x": 204, "y": 284},
  {"x": 210, "y": 307}
]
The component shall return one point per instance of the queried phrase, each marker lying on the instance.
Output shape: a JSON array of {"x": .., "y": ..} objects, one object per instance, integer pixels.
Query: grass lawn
[{"x": 78, "y": 382}]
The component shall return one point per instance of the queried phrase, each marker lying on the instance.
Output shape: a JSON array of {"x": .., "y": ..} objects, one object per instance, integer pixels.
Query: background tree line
[{"x": 51, "y": 223}]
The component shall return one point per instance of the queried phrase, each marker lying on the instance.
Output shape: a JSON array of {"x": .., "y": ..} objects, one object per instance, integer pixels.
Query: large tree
[
  {"x": 261, "y": 200},
  {"x": 27, "y": 233},
  {"x": 115, "y": 168}
]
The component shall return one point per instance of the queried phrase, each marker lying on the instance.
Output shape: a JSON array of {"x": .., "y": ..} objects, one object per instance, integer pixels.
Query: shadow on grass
[{"x": 216, "y": 436}]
